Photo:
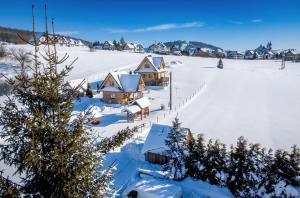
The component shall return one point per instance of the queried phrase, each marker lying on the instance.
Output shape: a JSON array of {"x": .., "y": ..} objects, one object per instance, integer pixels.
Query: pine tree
[
  {"x": 175, "y": 141},
  {"x": 220, "y": 64},
  {"x": 238, "y": 169},
  {"x": 89, "y": 91},
  {"x": 98, "y": 87},
  {"x": 215, "y": 163},
  {"x": 191, "y": 159},
  {"x": 56, "y": 154},
  {"x": 294, "y": 162},
  {"x": 8, "y": 188},
  {"x": 200, "y": 158},
  {"x": 122, "y": 43}
]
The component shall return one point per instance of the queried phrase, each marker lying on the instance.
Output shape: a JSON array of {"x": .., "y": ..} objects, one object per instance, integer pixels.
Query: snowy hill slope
[{"x": 250, "y": 98}]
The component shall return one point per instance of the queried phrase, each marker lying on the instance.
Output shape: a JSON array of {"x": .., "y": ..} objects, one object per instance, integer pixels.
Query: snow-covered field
[
  {"x": 253, "y": 99},
  {"x": 250, "y": 98}
]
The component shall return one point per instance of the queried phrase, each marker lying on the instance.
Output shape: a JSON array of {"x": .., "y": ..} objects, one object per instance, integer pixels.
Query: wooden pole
[{"x": 170, "y": 103}]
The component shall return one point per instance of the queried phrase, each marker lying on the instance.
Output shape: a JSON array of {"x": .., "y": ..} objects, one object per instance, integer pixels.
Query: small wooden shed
[
  {"x": 155, "y": 149},
  {"x": 139, "y": 108}
]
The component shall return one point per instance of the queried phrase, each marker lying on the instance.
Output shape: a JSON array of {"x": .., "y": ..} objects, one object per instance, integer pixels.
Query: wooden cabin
[
  {"x": 155, "y": 149},
  {"x": 153, "y": 71},
  {"x": 122, "y": 88},
  {"x": 139, "y": 108},
  {"x": 291, "y": 55},
  {"x": 108, "y": 45}
]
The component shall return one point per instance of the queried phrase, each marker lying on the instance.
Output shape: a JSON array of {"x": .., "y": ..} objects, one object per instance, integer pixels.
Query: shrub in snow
[{"x": 175, "y": 141}]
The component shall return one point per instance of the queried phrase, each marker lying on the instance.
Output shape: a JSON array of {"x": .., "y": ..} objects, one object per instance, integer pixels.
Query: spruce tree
[
  {"x": 53, "y": 149},
  {"x": 220, "y": 64},
  {"x": 215, "y": 163},
  {"x": 89, "y": 91},
  {"x": 238, "y": 169},
  {"x": 283, "y": 172},
  {"x": 200, "y": 157},
  {"x": 175, "y": 141},
  {"x": 294, "y": 162},
  {"x": 191, "y": 158},
  {"x": 98, "y": 87}
]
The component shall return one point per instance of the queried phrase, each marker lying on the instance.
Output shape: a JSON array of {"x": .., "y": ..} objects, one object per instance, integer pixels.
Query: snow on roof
[
  {"x": 126, "y": 82},
  {"x": 130, "y": 45},
  {"x": 155, "y": 61},
  {"x": 133, "y": 109},
  {"x": 155, "y": 141},
  {"x": 154, "y": 188},
  {"x": 75, "y": 83},
  {"x": 109, "y": 42},
  {"x": 143, "y": 102},
  {"x": 129, "y": 82}
]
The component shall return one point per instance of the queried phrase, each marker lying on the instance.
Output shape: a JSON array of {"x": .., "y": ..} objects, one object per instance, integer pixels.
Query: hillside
[
  {"x": 10, "y": 35},
  {"x": 194, "y": 44}
]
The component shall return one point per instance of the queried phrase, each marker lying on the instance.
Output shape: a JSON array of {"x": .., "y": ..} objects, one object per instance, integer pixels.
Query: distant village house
[{"x": 108, "y": 45}]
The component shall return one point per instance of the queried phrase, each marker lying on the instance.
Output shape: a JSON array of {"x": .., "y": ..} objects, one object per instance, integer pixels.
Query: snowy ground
[
  {"x": 253, "y": 99},
  {"x": 250, "y": 98}
]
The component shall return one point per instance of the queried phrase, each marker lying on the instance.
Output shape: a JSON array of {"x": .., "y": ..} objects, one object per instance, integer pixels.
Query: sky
[{"x": 229, "y": 24}]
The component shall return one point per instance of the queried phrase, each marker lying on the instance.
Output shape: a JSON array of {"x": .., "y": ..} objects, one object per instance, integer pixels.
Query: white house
[{"x": 159, "y": 48}]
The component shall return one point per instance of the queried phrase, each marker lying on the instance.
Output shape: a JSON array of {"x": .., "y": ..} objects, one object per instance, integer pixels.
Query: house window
[
  {"x": 111, "y": 83},
  {"x": 113, "y": 95},
  {"x": 144, "y": 75},
  {"x": 150, "y": 75},
  {"x": 147, "y": 66}
]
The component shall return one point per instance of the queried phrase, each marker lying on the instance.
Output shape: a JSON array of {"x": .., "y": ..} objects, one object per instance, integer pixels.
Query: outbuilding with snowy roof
[
  {"x": 139, "y": 108},
  {"x": 155, "y": 149}
]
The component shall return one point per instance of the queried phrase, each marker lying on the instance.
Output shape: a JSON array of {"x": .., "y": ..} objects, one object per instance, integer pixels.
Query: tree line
[{"x": 247, "y": 169}]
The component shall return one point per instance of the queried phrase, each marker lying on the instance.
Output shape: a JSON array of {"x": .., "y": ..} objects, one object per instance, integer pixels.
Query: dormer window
[
  {"x": 111, "y": 83},
  {"x": 147, "y": 66}
]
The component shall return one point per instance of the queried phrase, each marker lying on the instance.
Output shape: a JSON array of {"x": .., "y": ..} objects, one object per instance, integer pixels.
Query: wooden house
[
  {"x": 202, "y": 52},
  {"x": 122, "y": 88},
  {"x": 108, "y": 45},
  {"x": 155, "y": 149},
  {"x": 291, "y": 55},
  {"x": 153, "y": 71},
  {"x": 249, "y": 54},
  {"x": 139, "y": 108},
  {"x": 129, "y": 47},
  {"x": 235, "y": 55}
]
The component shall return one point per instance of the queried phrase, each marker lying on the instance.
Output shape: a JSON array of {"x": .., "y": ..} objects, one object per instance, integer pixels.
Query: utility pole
[
  {"x": 283, "y": 62},
  {"x": 170, "y": 103}
]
